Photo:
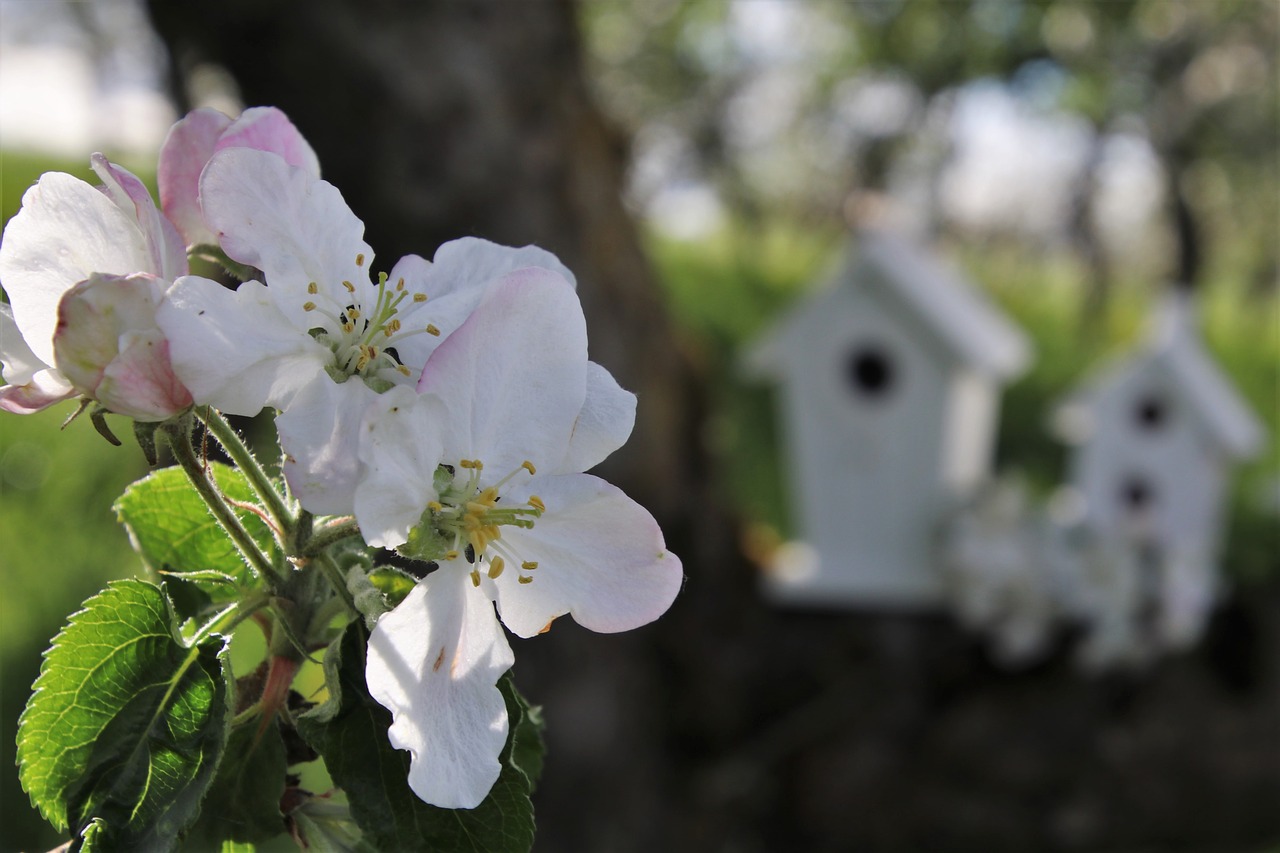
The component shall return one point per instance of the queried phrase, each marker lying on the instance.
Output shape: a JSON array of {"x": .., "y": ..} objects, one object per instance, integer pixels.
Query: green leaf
[
  {"x": 350, "y": 731},
  {"x": 393, "y": 583},
  {"x": 179, "y": 541},
  {"x": 526, "y": 748},
  {"x": 243, "y": 804},
  {"x": 126, "y": 724}
]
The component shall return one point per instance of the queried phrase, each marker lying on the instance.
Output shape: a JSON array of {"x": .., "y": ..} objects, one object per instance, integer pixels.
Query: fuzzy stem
[
  {"x": 334, "y": 575},
  {"x": 329, "y": 534},
  {"x": 180, "y": 441},
  {"x": 248, "y": 464}
]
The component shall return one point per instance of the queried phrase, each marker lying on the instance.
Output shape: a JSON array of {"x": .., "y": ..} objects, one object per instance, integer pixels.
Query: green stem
[
  {"x": 180, "y": 441},
  {"x": 329, "y": 534},
  {"x": 244, "y": 459},
  {"x": 232, "y": 615},
  {"x": 334, "y": 575}
]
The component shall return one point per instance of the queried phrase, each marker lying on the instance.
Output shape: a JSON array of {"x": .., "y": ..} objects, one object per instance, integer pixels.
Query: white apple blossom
[
  {"x": 320, "y": 339},
  {"x": 480, "y": 471},
  {"x": 66, "y": 232}
]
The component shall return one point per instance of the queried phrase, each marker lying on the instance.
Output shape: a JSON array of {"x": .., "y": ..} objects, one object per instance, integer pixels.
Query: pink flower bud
[{"x": 108, "y": 346}]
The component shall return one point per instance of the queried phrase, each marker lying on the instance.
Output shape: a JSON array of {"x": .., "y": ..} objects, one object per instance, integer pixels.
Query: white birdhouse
[
  {"x": 1154, "y": 435},
  {"x": 890, "y": 379}
]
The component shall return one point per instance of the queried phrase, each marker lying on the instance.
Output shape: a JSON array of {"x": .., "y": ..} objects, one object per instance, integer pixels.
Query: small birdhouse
[
  {"x": 889, "y": 390},
  {"x": 1154, "y": 436}
]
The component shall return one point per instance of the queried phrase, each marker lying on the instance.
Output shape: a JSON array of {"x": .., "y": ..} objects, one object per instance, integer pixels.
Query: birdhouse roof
[
  {"x": 1175, "y": 350},
  {"x": 955, "y": 311}
]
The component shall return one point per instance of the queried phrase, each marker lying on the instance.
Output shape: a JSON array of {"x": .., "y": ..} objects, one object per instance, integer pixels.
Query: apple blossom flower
[
  {"x": 109, "y": 347},
  {"x": 66, "y": 232},
  {"x": 319, "y": 340},
  {"x": 480, "y": 472},
  {"x": 201, "y": 133}
]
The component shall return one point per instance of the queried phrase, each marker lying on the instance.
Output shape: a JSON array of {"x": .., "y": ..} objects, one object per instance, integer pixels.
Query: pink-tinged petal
[
  {"x": 399, "y": 449},
  {"x": 434, "y": 662},
  {"x": 166, "y": 247},
  {"x": 233, "y": 349},
  {"x": 600, "y": 555},
  {"x": 472, "y": 262},
  {"x": 91, "y": 318},
  {"x": 292, "y": 226},
  {"x": 604, "y": 424},
  {"x": 32, "y": 384},
  {"x": 269, "y": 129},
  {"x": 513, "y": 376},
  {"x": 66, "y": 231},
  {"x": 318, "y": 436},
  {"x": 183, "y": 156},
  {"x": 140, "y": 382}
]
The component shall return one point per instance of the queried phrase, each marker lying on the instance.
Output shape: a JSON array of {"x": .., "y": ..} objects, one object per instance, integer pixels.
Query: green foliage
[
  {"x": 350, "y": 733},
  {"x": 127, "y": 723},
  {"x": 181, "y": 543},
  {"x": 243, "y": 803}
]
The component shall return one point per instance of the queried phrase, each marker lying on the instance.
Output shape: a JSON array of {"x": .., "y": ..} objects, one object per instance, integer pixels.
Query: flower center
[
  {"x": 362, "y": 337},
  {"x": 469, "y": 519}
]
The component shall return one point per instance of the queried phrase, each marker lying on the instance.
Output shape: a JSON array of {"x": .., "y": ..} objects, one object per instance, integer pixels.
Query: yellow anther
[
  {"x": 348, "y": 327},
  {"x": 466, "y": 463},
  {"x": 353, "y": 313},
  {"x": 432, "y": 330},
  {"x": 529, "y": 565},
  {"x": 391, "y": 328},
  {"x": 451, "y": 555},
  {"x": 536, "y": 503},
  {"x": 496, "y": 565},
  {"x": 313, "y": 288},
  {"x": 404, "y": 370},
  {"x": 526, "y": 579},
  {"x": 528, "y": 466},
  {"x": 308, "y": 306},
  {"x": 475, "y": 578},
  {"x": 479, "y": 466},
  {"x": 351, "y": 288},
  {"x": 417, "y": 297},
  {"x": 360, "y": 259},
  {"x": 400, "y": 285},
  {"x": 435, "y": 506}
]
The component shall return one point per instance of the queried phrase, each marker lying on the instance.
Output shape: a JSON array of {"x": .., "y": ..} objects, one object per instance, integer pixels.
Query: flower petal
[
  {"x": 33, "y": 385},
  {"x": 168, "y": 253},
  {"x": 434, "y": 662},
  {"x": 187, "y": 148},
  {"x": 92, "y": 317},
  {"x": 604, "y": 424},
  {"x": 600, "y": 557},
  {"x": 513, "y": 376},
  {"x": 140, "y": 382},
  {"x": 269, "y": 129},
  {"x": 472, "y": 262},
  {"x": 66, "y": 231},
  {"x": 233, "y": 349},
  {"x": 318, "y": 435},
  {"x": 295, "y": 228},
  {"x": 400, "y": 449}
]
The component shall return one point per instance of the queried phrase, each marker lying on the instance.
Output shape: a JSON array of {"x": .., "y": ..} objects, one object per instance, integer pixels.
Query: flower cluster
[{"x": 448, "y": 406}]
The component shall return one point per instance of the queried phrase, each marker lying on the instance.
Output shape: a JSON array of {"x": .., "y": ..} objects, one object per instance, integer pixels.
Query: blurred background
[{"x": 700, "y": 164}]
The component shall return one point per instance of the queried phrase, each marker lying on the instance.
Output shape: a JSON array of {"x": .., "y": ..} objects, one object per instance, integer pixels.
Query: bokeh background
[{"x": 698, "y": 164}]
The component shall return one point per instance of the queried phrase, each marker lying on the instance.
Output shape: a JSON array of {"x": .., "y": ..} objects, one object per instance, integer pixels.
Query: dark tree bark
[{"x": 729, "y": 724}]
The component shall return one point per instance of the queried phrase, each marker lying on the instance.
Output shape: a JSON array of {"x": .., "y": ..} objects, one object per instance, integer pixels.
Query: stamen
[
  {"x": 496, "y": 565},
  {"x": 308, "y": 306},
  {"x": 536, "y": 503},
  {"x": 404, "y": 370},
  {"x": 360, "y": 259},
  {"x": 525, "y": 579},
  {"x": 529, "y": 565},
  {"x": 475, "y": 578},
  {"x": 435, "y": 506},
  {"x": 417, "y": 297},
  {"x": 528, "y": 466},
  {"x": 451, "y": 555},
  {"x": 313, "y": 288},
  {"x": 432, "y": 330},
  {"x": 351, "y": 288},
  {"x": 400, "y": 286}
]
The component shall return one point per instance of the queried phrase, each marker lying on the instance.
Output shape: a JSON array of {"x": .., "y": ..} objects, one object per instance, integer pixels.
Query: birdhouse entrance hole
[
  {"x": 870, "y": 371},
  {"x": 1151, "y": 413}
]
